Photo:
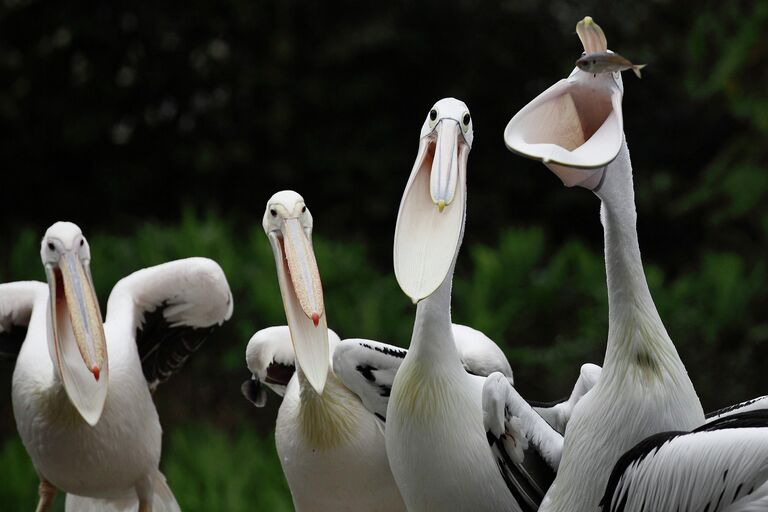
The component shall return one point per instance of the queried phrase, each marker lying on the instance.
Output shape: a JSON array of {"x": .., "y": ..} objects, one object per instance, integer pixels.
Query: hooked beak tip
[
  {"x": 441, "y": 205},
  {"x": 315, "y": 319},
  {"x": 96, "y": 372}
]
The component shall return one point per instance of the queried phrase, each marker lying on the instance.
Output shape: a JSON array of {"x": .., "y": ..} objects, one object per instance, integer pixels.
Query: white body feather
[
  {"x": 117, "y": 459},
  {"x": 332, "y": 451},
  {"x": 331, "y": 447},
  {"x": 436, "y": 438},
  {"x": 644, "y": 388}
]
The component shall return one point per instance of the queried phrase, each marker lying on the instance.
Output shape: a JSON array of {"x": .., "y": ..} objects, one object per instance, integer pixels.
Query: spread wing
[
  {"x": 17, "y": 302},
  {"x": 721, "y": 466},
  {"x": 272, "y": 362},
  {"x": 368, "y": 367},
  {"x": 170, "y": 310}
]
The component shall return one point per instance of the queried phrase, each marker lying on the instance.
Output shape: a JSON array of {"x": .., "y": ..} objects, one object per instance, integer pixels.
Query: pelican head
[
  {"x": 575, "y": 127},
  {"x": 431, "y": 216},
  {"x": 76, "y": 333},
  {"x": 288, "y": 224}
]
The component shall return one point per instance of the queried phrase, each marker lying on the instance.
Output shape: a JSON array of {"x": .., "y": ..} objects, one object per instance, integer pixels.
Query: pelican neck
[
  {"x": 635, "y": 328},
  {"x": 432, "y": 338}
]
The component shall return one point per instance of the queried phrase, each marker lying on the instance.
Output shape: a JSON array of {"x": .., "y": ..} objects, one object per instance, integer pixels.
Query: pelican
[
  {"x": 82, "y": 389},
  {"x": 576, "y": 128},
  {"x": 441, "y": 452},
  {"x": 329, "y": 431},
  {"x": 330, "y": 446}
]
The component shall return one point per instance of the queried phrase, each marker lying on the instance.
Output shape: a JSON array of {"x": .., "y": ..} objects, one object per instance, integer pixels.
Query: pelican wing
[
  {"x": 749, "y": 405},
  {"x": 170, "y": 310},
  {"x": 721, "y": 466},
  {"x": 17, "y": 300},
  {"x": 558, "y": 413},
  {"x": 272, "y": 362},
  {"x": 368, "y": 367},
  {"x": 479, "y": 354},
  {"x": 526, "y": 448}
]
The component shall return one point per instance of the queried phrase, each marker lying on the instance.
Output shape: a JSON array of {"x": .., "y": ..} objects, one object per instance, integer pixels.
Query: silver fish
[{"x": 607, "y": 62}]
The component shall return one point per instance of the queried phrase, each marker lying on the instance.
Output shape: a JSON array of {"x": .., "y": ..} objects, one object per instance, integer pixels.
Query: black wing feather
[
  {"x": 749, "y": 419},
  {"x": 649, "y": 445},
  {"x": 164, "y": 349},
  {"x": 733, "y": 407},
  {"x": 11, "y": 341},
  {"x": 528, "y": 482},
  {"x": 641, "y": 450}
]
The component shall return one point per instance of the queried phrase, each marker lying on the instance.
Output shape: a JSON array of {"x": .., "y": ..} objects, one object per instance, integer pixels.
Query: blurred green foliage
[
  {"x": 162, "y": 133},
  {"x": 545, "y": 305},
  {"x": 206, "y": 468}
]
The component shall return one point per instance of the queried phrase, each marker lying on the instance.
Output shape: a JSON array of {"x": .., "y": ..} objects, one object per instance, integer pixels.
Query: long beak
[
  {"x": 79, "y": 345},
  {"x": 302, "y": 295},
  {"x": 575, "y": 127},
  {"x": 431, "y": 216}
]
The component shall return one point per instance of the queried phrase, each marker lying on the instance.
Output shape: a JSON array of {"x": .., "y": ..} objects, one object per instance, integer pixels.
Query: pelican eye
[
  {"x": 303, "y": 209},
  {"x": 432, "y": 114},
  {"x": 273, "y": 212},
  {"x": 82, "y": 242},
  {"x": 51, "y": 247},
  {"x": 465, "y": 120}
]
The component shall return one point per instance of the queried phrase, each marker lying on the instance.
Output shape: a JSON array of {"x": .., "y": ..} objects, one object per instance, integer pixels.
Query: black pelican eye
[
  {"x": 82, "y": 242},
  {"x": 303, "y": 209},
  {"x": 273, "y": 212},
  {"x": 432, "y": 115},
  {"x": 51, "y": 247},
  {"x": 466, "y": 119}
]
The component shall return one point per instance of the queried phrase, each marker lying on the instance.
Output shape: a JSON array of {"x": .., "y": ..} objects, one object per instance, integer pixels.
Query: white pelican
[
  {"x": 82, "y": 389},
  {"x": 329, "y": 435},
  {"x": 576, "y": 129},
  {"x": 330, "y": 446},
  {"x": 441, "y": 454}
]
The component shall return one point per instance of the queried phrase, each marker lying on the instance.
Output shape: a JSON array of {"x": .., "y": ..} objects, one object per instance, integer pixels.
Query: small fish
[{"x": 607, "y": 62}]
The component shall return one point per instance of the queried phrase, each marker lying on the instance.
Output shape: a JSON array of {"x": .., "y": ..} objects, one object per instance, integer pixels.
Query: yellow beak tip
[
  {"x": 441, "y": 205},
  {"x": 588, "y": 19}
]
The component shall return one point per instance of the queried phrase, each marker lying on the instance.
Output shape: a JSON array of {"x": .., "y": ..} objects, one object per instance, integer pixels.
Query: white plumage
[
  {"x": 117, "y": 458},
  {"x": 330, "y": 446},
  {"x": 442, "y": 455},
  {"x": 722, "y": 466},
  {"x": 643, "y": 389}
]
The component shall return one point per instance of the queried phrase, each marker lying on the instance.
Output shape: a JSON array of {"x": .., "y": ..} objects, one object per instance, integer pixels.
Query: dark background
[{"x": 163, "y": 128}]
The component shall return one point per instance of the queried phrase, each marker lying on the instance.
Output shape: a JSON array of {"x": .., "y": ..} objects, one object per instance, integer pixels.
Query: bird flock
[{"x": 365, "y": 426}]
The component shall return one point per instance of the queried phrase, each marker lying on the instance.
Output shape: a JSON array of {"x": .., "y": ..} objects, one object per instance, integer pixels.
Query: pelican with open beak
[
  {"x": 331, "y": 447},
  {"x": 431, "y": 217},
  {"x": 575, "y": 127},
  {"x": 441, "y": 454},
  {"x": 81, "y": 389},
  {"x": 76, "y": 333},
  {"x": 288, "y": 225}
]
